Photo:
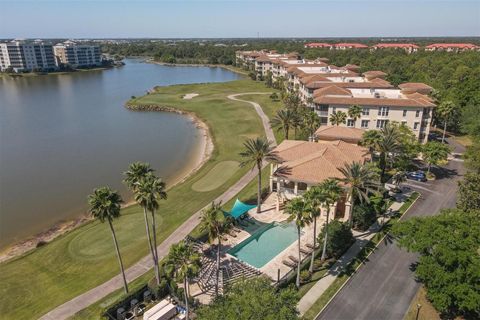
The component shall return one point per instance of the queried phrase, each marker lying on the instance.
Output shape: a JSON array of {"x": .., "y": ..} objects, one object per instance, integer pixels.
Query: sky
[{"x": 231, "y": 19}]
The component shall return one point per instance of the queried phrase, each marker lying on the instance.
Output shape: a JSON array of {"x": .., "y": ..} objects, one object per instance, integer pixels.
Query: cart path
[{"x": 88, "y": 298}]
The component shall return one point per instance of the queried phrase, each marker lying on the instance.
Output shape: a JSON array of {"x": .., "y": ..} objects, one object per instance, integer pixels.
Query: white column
[{"x": 295, "y": 188}]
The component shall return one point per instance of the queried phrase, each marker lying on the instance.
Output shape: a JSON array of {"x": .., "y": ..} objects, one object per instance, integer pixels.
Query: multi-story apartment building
[
  {"x": 346, "y": 45},
  {"x": 320, "y": 45},
  {"x": 451, "y": 47},
  {"x": 24, "y": 56},
  {"x": 76, "y": 55},
  {"x": 409, "y": 105},
  {"x": 408, "y": 47}
]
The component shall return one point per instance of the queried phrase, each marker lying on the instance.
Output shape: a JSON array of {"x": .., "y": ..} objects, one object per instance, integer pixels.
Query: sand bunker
[{"x": 190, "y": 96}]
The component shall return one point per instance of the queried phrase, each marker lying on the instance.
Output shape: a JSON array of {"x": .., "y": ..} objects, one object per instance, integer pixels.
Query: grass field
[{"x": 84, "y": 258}]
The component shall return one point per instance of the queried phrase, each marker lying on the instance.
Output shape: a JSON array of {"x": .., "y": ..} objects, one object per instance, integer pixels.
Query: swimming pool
[{"x": 266, "y": 243}]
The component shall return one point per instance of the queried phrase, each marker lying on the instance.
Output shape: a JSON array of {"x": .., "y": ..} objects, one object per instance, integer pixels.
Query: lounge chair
[
  {"x": 310, "y": 246},
  {"x": 305, "y": 251},
  {"x": 293, "y": 259},
  {"x": 232, "y": 233},
  {"x": 289, "y": 263}
]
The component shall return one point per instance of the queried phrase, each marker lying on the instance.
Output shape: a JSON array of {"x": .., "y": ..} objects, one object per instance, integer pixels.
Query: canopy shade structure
[{"x": 239, "y": 208}]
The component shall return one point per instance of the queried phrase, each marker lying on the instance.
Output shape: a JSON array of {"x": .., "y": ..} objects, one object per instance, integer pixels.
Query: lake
[{"x": 63, "y": 135}]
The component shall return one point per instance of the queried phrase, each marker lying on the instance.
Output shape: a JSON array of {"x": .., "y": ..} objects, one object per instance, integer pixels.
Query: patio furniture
[
  {"x": 310, "y": 246},
  {"x": 305, "y": 251},
  {"x": 289, "y": 263},
  {"x": 293, "y": 259}
]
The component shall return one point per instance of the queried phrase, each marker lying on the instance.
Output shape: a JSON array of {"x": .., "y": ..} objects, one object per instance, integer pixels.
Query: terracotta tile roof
[
  {"x": 396, "y": 45},
  {"x": 452, "y": 45},
  {"x": 330, "y": 133},
  {"x": 313, "y": 162},
  {"x": 317, "y": 45},
  {"x": 333, "y": 90},
  {"x": 263, "y": 59},
  {"x": 312, "y": 78},
  {"x": 352, "y": 45},
  {"x": 406, "y": 102},
  {"x": 374, "y": 74},
  {"x": 414, "y": 85},
  {"x": 352, "y": 67}
]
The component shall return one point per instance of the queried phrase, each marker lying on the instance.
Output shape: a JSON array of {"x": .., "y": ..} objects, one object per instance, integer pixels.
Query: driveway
[{"x": 384, "y": 287}]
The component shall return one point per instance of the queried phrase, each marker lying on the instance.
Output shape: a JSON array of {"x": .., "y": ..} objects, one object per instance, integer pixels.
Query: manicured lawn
[{"x": 35, "y": 283}]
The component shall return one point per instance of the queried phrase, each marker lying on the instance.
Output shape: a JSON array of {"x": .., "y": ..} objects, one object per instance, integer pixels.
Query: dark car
[{"x": 417, "y": 176}]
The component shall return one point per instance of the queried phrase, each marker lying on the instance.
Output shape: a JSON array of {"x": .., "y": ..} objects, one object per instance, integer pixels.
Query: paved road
[
  {"x": 384, "y": 287},
  {"x": 84, "y": 300}
]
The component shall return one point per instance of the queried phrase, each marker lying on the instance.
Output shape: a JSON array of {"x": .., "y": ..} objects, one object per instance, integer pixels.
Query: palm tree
[
  {"x": 185, "y": 264},
  {"x": 105, "y": 206},
  {"x": 370, "y": 140},
  {"x": 445, "y": 111},
  {"x": 149, "y": 191},
  {"x": 311, "y": 121},
  {"x": 136, "y": 172},
  {"x": 216, "y": 227},
  {"x": 354, "y": 112},
  {"x": 388, "y": 145},
  {"x": 398, "y": 178},
  {"x": 434, "y": 153},
  {"x": 359, "y": 181},
  {"x": 283, "y": 120},
  {"x": 338, "y": 117},
  {"x": 297, "y": 211},
  {"x": 143, "y": 196},
  {"x": 332, "y": 191},
  {"x": 314, "y": 198},
  {"x": 257, "y": 150}
]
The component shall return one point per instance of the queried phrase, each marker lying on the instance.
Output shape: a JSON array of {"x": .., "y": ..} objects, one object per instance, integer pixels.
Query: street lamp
[{"x": 418, "y": 310}]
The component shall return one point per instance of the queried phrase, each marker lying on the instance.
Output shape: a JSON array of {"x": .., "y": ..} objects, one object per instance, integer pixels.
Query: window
[
  {"x": 350, "y": 123},
  {"x": 383, "y": 111},
  {"x": 415, "y": 125},
  {"x": 381, "y": 123},
  {"x": 417, "y": 113},
  {"x": 404, "y": 113},
  {"x": 365, "y": 111},
  {"x": 334, "y": 109},
  {"x": 404, "y": 122},
  {"x": 365, "y": 123}
]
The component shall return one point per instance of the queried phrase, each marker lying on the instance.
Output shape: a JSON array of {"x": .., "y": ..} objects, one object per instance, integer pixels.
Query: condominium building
[
  {"x": 24, "y": 56},
  {"x": 408, "y": 47},
  {"x": 409, "y": 104},
  {"x": 76, "y": 55},
  {"x": 452, "y": 47}
]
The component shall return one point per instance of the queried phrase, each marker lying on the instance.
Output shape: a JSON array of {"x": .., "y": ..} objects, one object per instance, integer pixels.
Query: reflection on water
[{"x": 62, "y": 135}]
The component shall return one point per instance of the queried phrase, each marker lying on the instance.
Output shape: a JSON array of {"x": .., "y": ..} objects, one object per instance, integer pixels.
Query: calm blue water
[
  {"x": 63, "y": 135},
  {"x": 265, "y": 244}
]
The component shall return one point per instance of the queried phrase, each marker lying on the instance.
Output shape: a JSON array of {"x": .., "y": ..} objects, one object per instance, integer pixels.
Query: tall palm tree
[
  {"x": 354, "y": 112},
  {"x": 314, "y": 198},
  {"x": 143, "y": 198},
  {"x": 359, "y": 181},
  {"x": 216, "y": 226},
  {"x": 388, "y": 146},
  {"x": 136, "y": 172},
  {"x": 257, "y": 150},
  {"x": 332, "y": 192},
  {"x": 311, "y": 121},
  {"x": 105, "y": 206},
  {"x": 445, "y": 110},
  {"x": 149, "y": 191},
  {"x": 338, "y": 117},
  {"x": 283, "y": 120},
  {"x": 297, "y": 211},
  {"x": 370, "y": 140},
  {"x": 184, "y": 262}
]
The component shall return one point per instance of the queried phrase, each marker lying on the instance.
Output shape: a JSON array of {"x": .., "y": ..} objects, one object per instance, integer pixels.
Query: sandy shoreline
[
  {"x": 226, "y": 67},
  {"x": 61, "y": 228}
]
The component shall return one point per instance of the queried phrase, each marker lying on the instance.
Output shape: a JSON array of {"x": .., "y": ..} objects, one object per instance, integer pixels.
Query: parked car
[{"x": 417, "y": 176}]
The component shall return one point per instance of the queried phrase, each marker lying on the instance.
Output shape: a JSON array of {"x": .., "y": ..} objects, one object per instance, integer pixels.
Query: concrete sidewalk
[
  {"x": 88, "y": 298},
  {"x": 362, "y": 239}
]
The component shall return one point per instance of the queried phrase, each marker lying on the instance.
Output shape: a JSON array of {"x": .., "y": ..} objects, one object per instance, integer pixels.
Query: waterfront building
[
  {"x": 76, "y": 55},
  {"x": 409, "y": 105},
  {"x": 452, "y": 47},
  {"x": 408, "y": 47},
  {"x": 26, "y": 55}
]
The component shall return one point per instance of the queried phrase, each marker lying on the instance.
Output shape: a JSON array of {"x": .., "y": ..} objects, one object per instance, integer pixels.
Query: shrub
[
  {"x": 363, "y": 216},
  {"x": 340, "y": 238},
  {"x": 305, "y": 276},
  {"x": 159, "y": 291}
]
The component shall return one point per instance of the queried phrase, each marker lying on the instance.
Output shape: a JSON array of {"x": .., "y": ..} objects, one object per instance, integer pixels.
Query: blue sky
[{"x": 228, "y": 18}]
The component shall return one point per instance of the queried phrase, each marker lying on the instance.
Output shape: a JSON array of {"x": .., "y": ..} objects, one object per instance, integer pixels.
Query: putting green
[{"x": 217, "y": 176}]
